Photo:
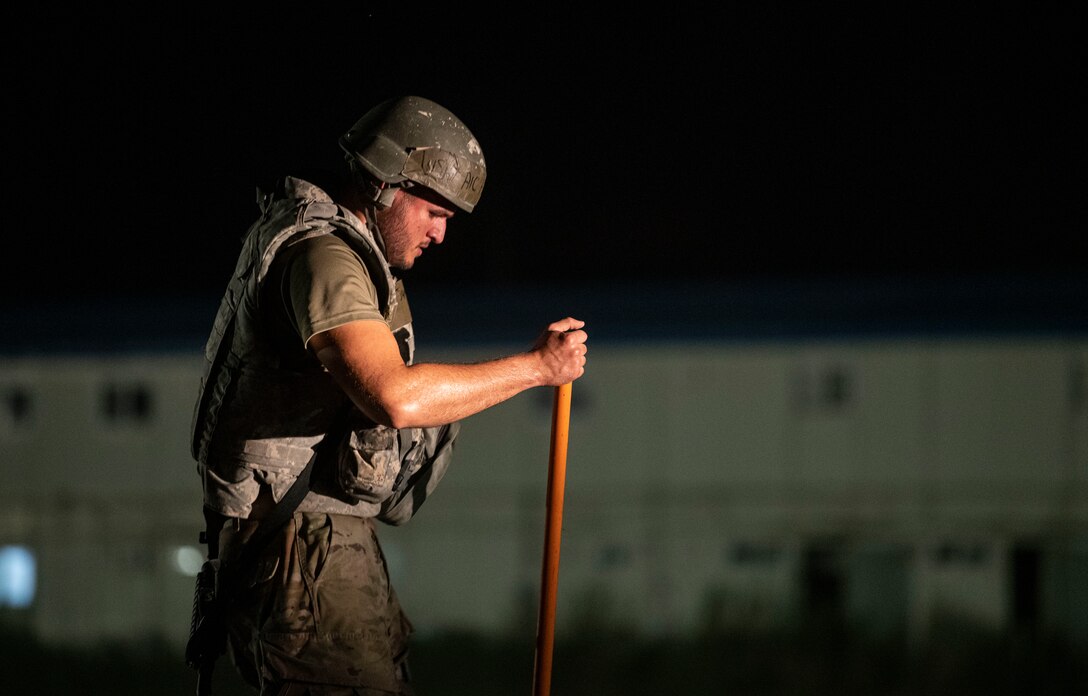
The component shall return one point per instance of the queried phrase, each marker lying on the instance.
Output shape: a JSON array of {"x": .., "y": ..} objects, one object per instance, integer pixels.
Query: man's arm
[{"x": 364, "y": 359}]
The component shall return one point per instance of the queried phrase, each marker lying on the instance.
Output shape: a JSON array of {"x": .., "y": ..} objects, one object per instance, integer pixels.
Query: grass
[{"x": 958, "y": 660}]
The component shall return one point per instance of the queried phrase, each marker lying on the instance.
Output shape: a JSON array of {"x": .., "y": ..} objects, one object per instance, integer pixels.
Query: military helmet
[{"x": 412, "y": 140}]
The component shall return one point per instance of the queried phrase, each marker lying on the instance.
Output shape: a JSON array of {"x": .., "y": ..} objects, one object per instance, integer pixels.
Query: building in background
[{"x": 886, "y": 455}]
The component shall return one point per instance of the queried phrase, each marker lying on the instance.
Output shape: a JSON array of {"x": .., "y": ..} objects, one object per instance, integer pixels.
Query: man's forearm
[
  {"x": 364, "y": 359},
  {"x": 430, "y": 394}
]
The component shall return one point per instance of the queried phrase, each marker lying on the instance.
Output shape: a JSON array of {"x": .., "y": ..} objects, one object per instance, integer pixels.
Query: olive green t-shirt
[{"x": 324, "y": 284}]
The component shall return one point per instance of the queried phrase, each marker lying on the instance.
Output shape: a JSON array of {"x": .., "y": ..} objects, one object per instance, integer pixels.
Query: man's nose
[{"x": 438, "y": 231}]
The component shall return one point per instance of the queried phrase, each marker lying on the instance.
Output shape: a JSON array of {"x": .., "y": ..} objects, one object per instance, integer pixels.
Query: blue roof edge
[{"x": 765, "y": 309}]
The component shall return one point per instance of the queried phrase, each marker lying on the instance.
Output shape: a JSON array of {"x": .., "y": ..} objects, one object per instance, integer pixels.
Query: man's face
[{"x": 411, "y": 224}]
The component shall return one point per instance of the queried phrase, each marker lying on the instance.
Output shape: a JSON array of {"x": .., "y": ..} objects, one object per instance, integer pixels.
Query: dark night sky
[{"x": 684, "y": 141}]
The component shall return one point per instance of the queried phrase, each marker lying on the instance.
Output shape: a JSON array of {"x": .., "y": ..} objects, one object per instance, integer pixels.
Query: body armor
[{"x": 262, "y": 414}]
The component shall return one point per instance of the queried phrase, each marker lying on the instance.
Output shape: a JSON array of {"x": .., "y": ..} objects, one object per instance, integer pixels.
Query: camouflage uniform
[
  {"x": 321, "y": 616},
  {"x": 317, "y": 614},
  {"x": 317, "y": 609}
]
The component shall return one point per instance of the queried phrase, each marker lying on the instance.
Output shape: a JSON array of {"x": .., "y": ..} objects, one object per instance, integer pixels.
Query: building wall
[{"x": 709, "y": 486}]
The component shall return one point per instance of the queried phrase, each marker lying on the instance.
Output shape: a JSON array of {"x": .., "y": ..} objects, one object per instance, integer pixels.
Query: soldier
[{"x": 310, "y": 378}]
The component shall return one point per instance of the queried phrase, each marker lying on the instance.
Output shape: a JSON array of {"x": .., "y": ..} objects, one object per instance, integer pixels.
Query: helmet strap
[
  {"x": 377, "y": 192},
  {"x": 371, "y": 212},
  {"x": 383, "y": 195}
]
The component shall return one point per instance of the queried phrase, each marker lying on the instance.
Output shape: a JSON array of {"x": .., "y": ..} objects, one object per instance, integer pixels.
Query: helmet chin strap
[
  {"x": 384, "y": 195},
  {"x": 371, "y": 211},
  {"x": 376, "y": 195},
  {"x": 378, "y": 192}
]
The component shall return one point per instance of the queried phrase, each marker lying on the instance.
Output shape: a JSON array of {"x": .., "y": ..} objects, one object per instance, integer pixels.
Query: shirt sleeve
[{"x": 325, "y": 285}]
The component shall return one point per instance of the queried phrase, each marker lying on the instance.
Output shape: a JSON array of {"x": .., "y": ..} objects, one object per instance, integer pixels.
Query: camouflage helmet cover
[{"x": 412, "y": 139}]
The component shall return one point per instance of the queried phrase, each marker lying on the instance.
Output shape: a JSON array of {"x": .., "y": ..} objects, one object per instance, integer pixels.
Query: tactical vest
[{"x": 260, "y": 416}]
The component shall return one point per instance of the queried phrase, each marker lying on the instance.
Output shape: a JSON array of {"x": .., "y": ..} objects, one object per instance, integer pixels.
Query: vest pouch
[
  {"x": 423, "y": 466},
  {"x": 368, "y": 462}
]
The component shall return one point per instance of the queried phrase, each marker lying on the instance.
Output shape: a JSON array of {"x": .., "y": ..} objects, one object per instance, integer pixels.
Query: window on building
[
  {"x": 1025, "y": 567},
  {"x": 753, "y": 554},
  {"x": 187, "y": 560},
  {"x": 825, "y": 388},
  {"x": 836, "y": 387},
  {"x": 18, "y": 405},
  {"x": 1078, "y": 386},
  {"x": 130, "y": 402},
  {"x": 613, "y": 557},
  {"x": 823, "y": 580},
  {"x": 960, "y": 553},
  {"x": 18, "y": 577}
]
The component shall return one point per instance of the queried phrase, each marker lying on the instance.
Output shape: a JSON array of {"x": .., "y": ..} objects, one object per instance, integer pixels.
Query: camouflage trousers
[{"x": 320, "y": 616}]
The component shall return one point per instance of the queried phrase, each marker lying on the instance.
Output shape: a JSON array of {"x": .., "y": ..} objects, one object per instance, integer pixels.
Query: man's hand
[{"x": 561, "y": 349}]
